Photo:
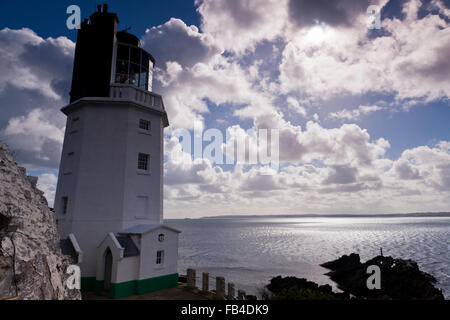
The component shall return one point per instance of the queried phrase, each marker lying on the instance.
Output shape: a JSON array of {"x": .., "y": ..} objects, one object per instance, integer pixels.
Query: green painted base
[
  {"x": 98, "y": 286},
  {"x": 129, "y": 288},
  {"x": 87, "y": 283}
]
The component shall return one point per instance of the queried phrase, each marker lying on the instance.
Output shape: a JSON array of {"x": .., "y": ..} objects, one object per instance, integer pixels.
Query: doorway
[{"x": 108, "y": 269}]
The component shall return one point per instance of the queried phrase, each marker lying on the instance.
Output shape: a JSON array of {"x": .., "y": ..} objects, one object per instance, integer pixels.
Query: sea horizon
[{"x": 337, "y": 215}]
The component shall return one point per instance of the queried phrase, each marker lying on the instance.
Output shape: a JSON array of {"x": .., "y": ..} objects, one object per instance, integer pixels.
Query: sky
[{"x": 362, "y": 114}]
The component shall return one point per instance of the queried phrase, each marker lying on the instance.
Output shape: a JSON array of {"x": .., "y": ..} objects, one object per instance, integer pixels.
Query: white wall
[
  {"x": 104, "y": 183},
  {"x": 138, "y": 183},
  {"x": 127, "y": 269},
  {"x": 149, "y": 247}
]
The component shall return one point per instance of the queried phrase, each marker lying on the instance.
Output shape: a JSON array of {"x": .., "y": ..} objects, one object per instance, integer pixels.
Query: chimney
[
  {"x": 99, "y": 8},
  {"x": 105, "y": 8}
]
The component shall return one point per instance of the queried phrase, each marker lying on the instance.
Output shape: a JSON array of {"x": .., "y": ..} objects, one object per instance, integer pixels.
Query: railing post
[
  {"x": 220, "y": 288},
  {"x": 190, "y": 278},
  {"x": 230, "y": 291},
  {"x": 205, "y": 282}
]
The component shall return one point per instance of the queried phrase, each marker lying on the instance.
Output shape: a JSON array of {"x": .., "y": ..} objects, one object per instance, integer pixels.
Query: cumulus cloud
[
  {"x": 405, "y": 171},
  {"x": 36, "y": 141},
  {"x": 341, "y": 175},
  {"x": 345, "y": 145},
  {"x": 354, "y": 114},
  {"x": 425, "y": 167},
  {"x": 47, "y": 183},
  {"x": 295, "y": 106},
  {"x": 31, "y": 62},
  {"x": 325, "y": 61},
  {"x": 175, "y": 41},
  {"x": 331, "y": 12},
  {"x": 259, "y": 62},
  {"x": 314, "y": 187},
  {"x": 238, "y": 25},
  {"x": 34, "y": 85},
  {"x": 220, "y": 81}
]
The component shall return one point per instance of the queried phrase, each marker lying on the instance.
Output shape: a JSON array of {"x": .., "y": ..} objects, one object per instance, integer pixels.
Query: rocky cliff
[{"x": 31, "y": 263}]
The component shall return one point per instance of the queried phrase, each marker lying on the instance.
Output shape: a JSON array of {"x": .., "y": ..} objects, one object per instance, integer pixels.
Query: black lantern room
[{"x": 104, "y": 56}]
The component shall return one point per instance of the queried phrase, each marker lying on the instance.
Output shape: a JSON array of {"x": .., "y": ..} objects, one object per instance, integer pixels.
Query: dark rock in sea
[
  {"x": 400, "y": 279},
  {"x": 293, "y": 288}
]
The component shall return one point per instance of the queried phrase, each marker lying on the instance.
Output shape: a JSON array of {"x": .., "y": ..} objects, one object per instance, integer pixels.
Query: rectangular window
[
  {"x": 144, "y": 125},
  {"x": 141, "y": 206},
  {"x": 143, "y": 161},
  {"x": 160, "y": 257},
  {"x": 69, "y": 163},
  {"x": 134, "y": 74},
  {"x": 65, "y": 200}
]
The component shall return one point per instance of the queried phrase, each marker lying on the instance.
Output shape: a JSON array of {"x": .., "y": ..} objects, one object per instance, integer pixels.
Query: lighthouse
[{"x": 109, "y": 196}]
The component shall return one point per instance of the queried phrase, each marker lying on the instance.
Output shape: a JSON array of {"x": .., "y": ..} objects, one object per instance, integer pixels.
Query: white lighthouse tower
[{"x": 109, "y": 197}]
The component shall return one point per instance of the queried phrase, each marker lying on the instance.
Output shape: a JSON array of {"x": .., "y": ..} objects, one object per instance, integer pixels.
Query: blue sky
[
  {"x": 48, "y": 18},
  {"x": 362, "y": 114}
]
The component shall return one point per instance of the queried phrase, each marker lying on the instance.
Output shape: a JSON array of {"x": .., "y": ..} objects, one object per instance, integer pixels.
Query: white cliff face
[{"x": 39, "y": 265}]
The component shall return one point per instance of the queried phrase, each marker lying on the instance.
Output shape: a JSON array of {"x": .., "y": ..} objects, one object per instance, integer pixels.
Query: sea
[{"x": 249, "y": 251}]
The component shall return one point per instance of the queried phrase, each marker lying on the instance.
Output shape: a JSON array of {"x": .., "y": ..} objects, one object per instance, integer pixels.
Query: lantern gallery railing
[{"x": 128, "y": 92}]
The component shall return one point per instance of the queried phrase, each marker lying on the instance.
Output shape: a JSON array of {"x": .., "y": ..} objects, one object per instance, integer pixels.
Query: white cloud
[
  {"x": 354, "y": 114},
  {"x": 409, "y": 61},
  {"x": 295, "y": 106},
  {"x": 302, "y": 63},
  {"x": 219, "y": 80},
  {"x": 31, "y": 62},
  {"x": 348, "y": 144},
  {"x": 175, "y": 41},
  {"x": 34, "y": 85},
  {"x": 34, "y": 138},
  {"x": 238, "y": 25},
  {"x": 424, "y": 167},
  {"x": 313, "y": 188},
  {"x": 47, "y": 183}
]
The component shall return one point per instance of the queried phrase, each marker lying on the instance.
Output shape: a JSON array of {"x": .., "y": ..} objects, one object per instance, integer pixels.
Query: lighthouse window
[
  {"x": 135, "y": 56},
  {"x": 132, "y": 66},
  {"x": 160, "y": 257},
  {"x": 143, "y": 79},
  {"x": 122, "y": 67},
  {"x": 144, "y": 125},
  {"x": 65, "y": 200},
  {"x": 143, "y": 161},
  {"x": 134, "y": 74},
  {"x": 145, "y": 60}
]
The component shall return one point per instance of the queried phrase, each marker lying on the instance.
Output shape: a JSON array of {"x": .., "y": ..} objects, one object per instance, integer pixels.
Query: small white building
[{"x": 109, "y": 197}]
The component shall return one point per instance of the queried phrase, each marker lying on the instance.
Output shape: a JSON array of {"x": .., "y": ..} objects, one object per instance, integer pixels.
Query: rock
[
  {"x": 31, "y": 263},
  {"x": 33, "y": 180},
  {"x": 400, "y": 279},
  {"x": 345, "y": 262},
  {"x": 293, "y": 288}
]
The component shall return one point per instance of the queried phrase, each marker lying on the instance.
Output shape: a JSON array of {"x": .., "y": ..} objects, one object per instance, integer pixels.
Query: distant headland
[{"x": 378, "y": 215}]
